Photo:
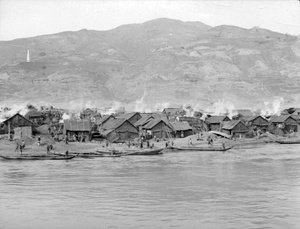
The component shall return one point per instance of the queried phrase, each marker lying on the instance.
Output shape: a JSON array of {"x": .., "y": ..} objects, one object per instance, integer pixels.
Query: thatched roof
[
  {"x": 229, "y": 125},
  {"x": 103, "y": 119}
]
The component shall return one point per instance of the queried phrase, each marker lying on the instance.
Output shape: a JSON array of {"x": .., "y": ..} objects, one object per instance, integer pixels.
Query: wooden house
[
  {"x": 257, "y": 122},
  {"x": 215, "y": 122},
  {"x": 159, "y": 128},
  {"x": 35, "y": 116},
  {"x": 79, "y": 129},
  {"x": 285, "y": 122},
  {"x": 131, "y": 117},
  {"x": 119, "y": 130},
  {"x": 181, "y": 129},
  {"x": 15, "y": 121},
  {"x": 195, "y": 122},
  {"x": 235, "y": 128}
]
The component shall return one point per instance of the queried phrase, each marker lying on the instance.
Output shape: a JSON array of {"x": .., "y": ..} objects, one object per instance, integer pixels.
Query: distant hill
[{"x": 157, "y": 62}]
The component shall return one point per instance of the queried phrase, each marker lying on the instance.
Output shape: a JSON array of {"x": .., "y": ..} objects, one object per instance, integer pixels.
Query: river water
[{"x": 241, "y": 188}]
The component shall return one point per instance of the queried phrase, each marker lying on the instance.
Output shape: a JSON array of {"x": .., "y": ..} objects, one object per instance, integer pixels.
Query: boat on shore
[
  {"x": 198, "y": 148},
  {"x": 288, "y": 141},
  {"x": 37, "y": 157},
  {"x": 144, "y": 152},
  {"x": 89, "y": 155}
]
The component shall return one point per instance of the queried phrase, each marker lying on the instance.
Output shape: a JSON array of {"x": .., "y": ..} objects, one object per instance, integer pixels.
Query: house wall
[
  {"x": 70, "y": 134},
  {"x": 162, "y": 131},
  {"x": 126, "y": 131},
  {"x": 185, "y": 133},
  {"x": 21, "y": 132},
  {"x": 215, "y": 127}
]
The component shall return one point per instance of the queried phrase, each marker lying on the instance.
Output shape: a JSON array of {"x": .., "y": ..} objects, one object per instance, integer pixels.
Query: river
[{"x": 241, "y": 188}]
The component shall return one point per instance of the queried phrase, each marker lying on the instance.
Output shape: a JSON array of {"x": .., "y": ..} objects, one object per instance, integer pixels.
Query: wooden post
[{"x": 8, "y": 130}]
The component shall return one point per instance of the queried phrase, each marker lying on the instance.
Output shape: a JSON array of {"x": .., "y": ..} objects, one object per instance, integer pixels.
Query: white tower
[{"x": 28, "y": 56}]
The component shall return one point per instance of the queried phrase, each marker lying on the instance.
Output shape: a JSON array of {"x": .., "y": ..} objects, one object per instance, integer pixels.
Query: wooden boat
[
  {"x": 144, "y": 152},
  {"x": 38, "y": 157},
  {"x": 90, "y": 155},
  {"x": 288, "y": 141},
  {"x": 195, "y": 148}
]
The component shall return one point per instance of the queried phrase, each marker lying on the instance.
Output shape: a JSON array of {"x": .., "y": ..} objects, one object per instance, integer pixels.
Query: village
[{"x": 89, "y": 130}]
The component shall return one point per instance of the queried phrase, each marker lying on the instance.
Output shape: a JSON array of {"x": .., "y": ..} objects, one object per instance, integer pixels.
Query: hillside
[{"x": 143, "y": 66}]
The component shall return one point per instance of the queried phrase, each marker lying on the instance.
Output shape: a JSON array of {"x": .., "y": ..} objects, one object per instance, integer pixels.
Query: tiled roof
[
  {"x": 178, "y": 126},
  {"x": 83, "y": 125}
]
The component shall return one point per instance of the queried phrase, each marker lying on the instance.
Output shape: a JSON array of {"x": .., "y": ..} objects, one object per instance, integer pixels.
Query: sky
[{"x": 28, "y": 18}]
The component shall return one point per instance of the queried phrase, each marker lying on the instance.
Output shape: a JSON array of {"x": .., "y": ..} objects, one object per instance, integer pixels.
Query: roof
[
  {"x": 106, "y": 132},
  {"x": 83, "y": 125},
  {"x": 281, "y": 118},
  {"x": 172, "y": 111},
  {"x": 229, "y": 125},
  {"x": 251, "y": 118},
  {"x": 154, "y": 122},
  {"x": 128, "y": 115},
  {"x": 33, "y": 113},
  {"x": 114, "y": 123},
  {"x": 144, "y": 120},
  {"x": 103, "y": 119},
  {"x": 178, "y": 126},
  {"x": 16, "y": 115},
  {"x": 215, "y": 119}
]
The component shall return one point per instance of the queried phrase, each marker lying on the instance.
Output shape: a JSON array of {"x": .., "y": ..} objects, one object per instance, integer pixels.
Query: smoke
[
  {"x": 8, "y": 111},
  {"x": 273, "y": 107},
  {"x": 221, "y": 107}
]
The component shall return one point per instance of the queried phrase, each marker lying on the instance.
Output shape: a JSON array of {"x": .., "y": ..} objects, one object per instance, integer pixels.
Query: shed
[
  {"x": 235, "y": 128},
  {"x": 142, "y": 122},
  {"x": 215, "y": 122},
  {"x": 159, "y": 128},
  {"x": 181, "y": 129},
  {"x": 103, "y": 120},
  {"x": 119, "y": 130},
  {"x": 14, "y": 121},
  {"x": 79, "y": 129},
  {"x": 194, "y": 122}
]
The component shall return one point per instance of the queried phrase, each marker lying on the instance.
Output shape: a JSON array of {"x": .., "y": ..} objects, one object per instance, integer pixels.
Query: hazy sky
[{"x": 27, "y": 18}]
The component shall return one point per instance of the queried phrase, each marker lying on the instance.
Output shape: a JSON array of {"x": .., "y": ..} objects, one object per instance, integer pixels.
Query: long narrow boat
[
  {"x": 37, "y": 157},
  {"x": 288, "y": 141},
  {"x": 195, "y": 148},
  {"x": 90, "y": 155},
  {"x": 144, "y": 152}
]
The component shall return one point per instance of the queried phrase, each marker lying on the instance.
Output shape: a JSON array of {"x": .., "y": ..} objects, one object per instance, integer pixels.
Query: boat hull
[
  {"x": 201, "y": 148},
  {"x": 35, "y": 158},
  {"x": 144, "y": 152},
  {"x": 287, "y": 142}
]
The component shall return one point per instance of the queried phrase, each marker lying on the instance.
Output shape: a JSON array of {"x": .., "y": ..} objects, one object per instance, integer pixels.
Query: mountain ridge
[{"x": 153, "y": 64}]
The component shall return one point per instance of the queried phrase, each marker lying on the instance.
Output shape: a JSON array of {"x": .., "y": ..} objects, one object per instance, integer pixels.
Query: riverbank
[{"x": 31, "y": 145}]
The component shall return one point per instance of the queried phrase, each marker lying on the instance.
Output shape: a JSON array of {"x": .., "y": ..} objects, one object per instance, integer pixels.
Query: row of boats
[{"x": 113, "y": 153}]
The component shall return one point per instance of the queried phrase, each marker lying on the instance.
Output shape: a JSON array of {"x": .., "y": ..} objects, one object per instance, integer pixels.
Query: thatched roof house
[
  {"x": 181, "y": 129},
  {"x": 235, "y": 128}
]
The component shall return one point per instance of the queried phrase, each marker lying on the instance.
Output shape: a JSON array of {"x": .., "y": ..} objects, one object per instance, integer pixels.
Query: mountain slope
[{"x": 159, "y": 61}]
